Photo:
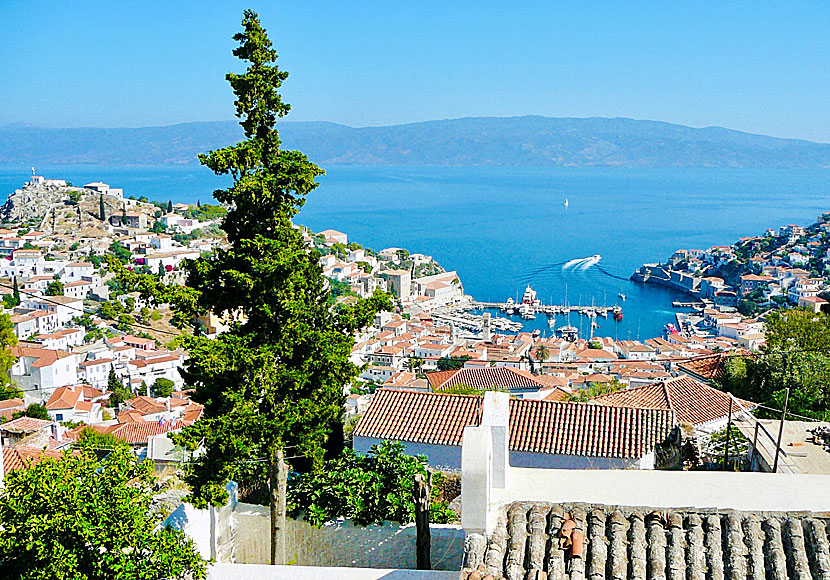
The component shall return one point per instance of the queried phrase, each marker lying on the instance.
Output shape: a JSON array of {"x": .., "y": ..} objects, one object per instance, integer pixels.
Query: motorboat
[{"x": 529, "y": 297}]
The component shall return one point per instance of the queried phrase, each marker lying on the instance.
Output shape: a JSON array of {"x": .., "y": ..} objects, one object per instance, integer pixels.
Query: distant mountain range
[{"x": 483, "y": 141}]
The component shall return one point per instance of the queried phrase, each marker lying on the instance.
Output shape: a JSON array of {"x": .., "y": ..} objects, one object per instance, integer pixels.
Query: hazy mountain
[{"x": 528, "y": 140}]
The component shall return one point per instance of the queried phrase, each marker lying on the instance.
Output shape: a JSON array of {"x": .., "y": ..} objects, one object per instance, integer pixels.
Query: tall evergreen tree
[
  {"x": 276, "y": 378},
  {"x": 101, "y": 209},
  {"x": 16, "y": 292},
  {"x": 170, "y": 206}
]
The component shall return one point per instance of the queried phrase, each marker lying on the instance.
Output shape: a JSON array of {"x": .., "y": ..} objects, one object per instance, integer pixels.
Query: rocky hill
[{"x": 67, "y": 210}]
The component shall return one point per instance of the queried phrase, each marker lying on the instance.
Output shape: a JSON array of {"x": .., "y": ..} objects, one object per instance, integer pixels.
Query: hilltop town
[{"x": 733, "y": 287}]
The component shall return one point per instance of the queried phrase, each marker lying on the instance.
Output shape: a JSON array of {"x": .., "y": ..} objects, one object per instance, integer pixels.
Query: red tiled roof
[
  {"x": 9, "y": 407},
  {"x": 140, "y": 432},
  {"x": 691, "y": 401},
  {"x": 131, "y": 416},
  {"x": 486, "y": 378},
  {"x": 44, "y": 356},
  {"x": 19, "y": 457},
  {"x": 11, "y": 404},
  {"x": 146, "y": 405},
  {"x": 551, "y": 427},
  {"x": 25, "y": 425},
  {"x": 65, "y": 398},
  {"x": 705, "y": 368}
]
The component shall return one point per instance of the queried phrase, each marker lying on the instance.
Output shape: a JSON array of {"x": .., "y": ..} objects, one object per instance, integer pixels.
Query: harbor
[{"x": 477, "y": 317}]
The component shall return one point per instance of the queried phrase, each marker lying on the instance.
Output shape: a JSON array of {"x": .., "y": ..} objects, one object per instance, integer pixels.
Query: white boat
[
  {"x": 569, "y": 333},
  {"x": 526, "y": 312},
  {"x": 529, "y": 297},
  {"x": 622, "y": 296},
  {"x": 566, "y": 202}
]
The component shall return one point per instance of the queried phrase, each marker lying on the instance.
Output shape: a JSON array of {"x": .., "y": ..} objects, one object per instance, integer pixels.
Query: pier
[{"x": 547, "y": 309}]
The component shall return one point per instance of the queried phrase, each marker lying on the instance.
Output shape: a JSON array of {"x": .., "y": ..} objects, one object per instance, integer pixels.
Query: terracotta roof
[
  {"x": 25, "y": 425},
  {"x": 65, "y": 398},
  {"x": 536, "y": 426},
  {"x": 9, "y": 407},
  {"x": 641, "y": 542},
  {"x": 146, "y": 405},
  {"x": 705, "y": 368},
  {"x": 486, "y": 378},
  {"x": 139, "y": 432},
  {"x": 691, "y": 401},
  {"x": 20, "y": 456},
  {"x": 11, "y": 404},
  {"x": 130, "y": 416},
  {"x": 45, "y": 356}
]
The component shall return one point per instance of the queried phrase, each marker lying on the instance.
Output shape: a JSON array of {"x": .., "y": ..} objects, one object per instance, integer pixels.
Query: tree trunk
[
  {"x": 278, "y": 477},
  {"x": 423, "y": 491}
]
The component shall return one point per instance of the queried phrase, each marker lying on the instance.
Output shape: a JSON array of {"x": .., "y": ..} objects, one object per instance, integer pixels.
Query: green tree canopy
[
  {"x": 77, "y": 518},
  {"x": 8, "y": 340},
  {"x": 595, "y": 390},
  {"x": 34, "y": 410},
  {"x": 796, "y": 356},
  {"x": 162, "y": 387},
  {"x": 54, "y": 288},
  {"x": 368, "y": 489}
]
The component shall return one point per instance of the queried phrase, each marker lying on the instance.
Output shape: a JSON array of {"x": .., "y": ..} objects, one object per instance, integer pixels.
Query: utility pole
[
  {"x": 728, "y": 428},
  {"x": 279, "y": 478},
  {"x": 781, "y": 431},
  {"x": 422, "y": 493}
]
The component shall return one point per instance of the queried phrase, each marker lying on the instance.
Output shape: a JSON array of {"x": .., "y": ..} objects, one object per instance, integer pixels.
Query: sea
[{"x": 504, "y": 228}]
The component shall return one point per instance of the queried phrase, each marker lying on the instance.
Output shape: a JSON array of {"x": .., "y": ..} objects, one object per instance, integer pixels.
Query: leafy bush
[
  {"x": 368, "y": 489},
  {"x": 78, "y": 517}
]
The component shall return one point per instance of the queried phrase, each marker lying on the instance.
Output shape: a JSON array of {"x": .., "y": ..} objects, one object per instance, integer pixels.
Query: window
[{"x": 58, "y": 416}]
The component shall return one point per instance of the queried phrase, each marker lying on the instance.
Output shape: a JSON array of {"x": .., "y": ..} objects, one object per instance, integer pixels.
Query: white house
[
  {"x": 96, "y": 372},
  {"x": 80, "y": 289},
  {"x": 76, "y": 403},
  {"x": 39, "y": 371},
  {"x": 75, "y": 271}
]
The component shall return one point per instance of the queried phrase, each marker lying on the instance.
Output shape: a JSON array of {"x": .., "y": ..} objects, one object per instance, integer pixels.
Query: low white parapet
[
  {"x": 750, "y": 491},
  {"x": 265, "y": 572}
]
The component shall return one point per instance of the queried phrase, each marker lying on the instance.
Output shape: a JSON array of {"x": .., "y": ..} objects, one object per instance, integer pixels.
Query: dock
[{"x": 547, "y": 308}]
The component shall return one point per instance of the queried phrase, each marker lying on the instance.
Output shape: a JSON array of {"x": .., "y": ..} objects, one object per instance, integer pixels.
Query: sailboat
[{"x": 566, "y": 202}]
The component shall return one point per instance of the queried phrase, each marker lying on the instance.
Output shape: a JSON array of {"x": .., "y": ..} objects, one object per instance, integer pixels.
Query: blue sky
[{"x": 755, "y": 66}]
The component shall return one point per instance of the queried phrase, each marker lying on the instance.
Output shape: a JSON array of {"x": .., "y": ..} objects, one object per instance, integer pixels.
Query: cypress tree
[
  {"x": 16, "y": 292},
  {"x": 277, "y": 379},
  {"x": 170, "y": 206},
  {"x": 101, "y": 209}
]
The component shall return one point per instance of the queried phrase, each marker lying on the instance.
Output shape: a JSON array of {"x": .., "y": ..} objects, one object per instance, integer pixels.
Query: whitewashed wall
[{"x": 341, "y": 543}]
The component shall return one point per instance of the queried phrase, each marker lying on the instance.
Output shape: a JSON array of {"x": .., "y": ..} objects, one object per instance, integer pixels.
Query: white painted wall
[
  {"x": 264, "y": 572},
  {"x": 670, "y": 489}
]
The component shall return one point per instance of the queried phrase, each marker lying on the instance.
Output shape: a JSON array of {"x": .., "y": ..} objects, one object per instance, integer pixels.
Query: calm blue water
[{"x": 503, "y": 228}]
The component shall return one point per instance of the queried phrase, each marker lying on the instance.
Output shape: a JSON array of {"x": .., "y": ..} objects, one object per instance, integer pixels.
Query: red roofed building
[
  {"x": 76, "y": 403},
  {"x": 691, "y": 401},
  {"x": 10, "y": 406},
  {"x": 549, "y": 434}
]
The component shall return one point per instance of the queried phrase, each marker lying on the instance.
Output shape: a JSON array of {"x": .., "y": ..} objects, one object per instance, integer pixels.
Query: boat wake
[
  {"x": 612, "y": 275},
  {"x": 582, "y": 263}
]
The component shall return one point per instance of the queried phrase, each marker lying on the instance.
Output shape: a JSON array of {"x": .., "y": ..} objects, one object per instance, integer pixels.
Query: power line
[{"x": 43, "y": 298}]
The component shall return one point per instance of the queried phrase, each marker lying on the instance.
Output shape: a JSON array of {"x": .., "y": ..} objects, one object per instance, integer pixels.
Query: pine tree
[{"x": 101, "y": 210}]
